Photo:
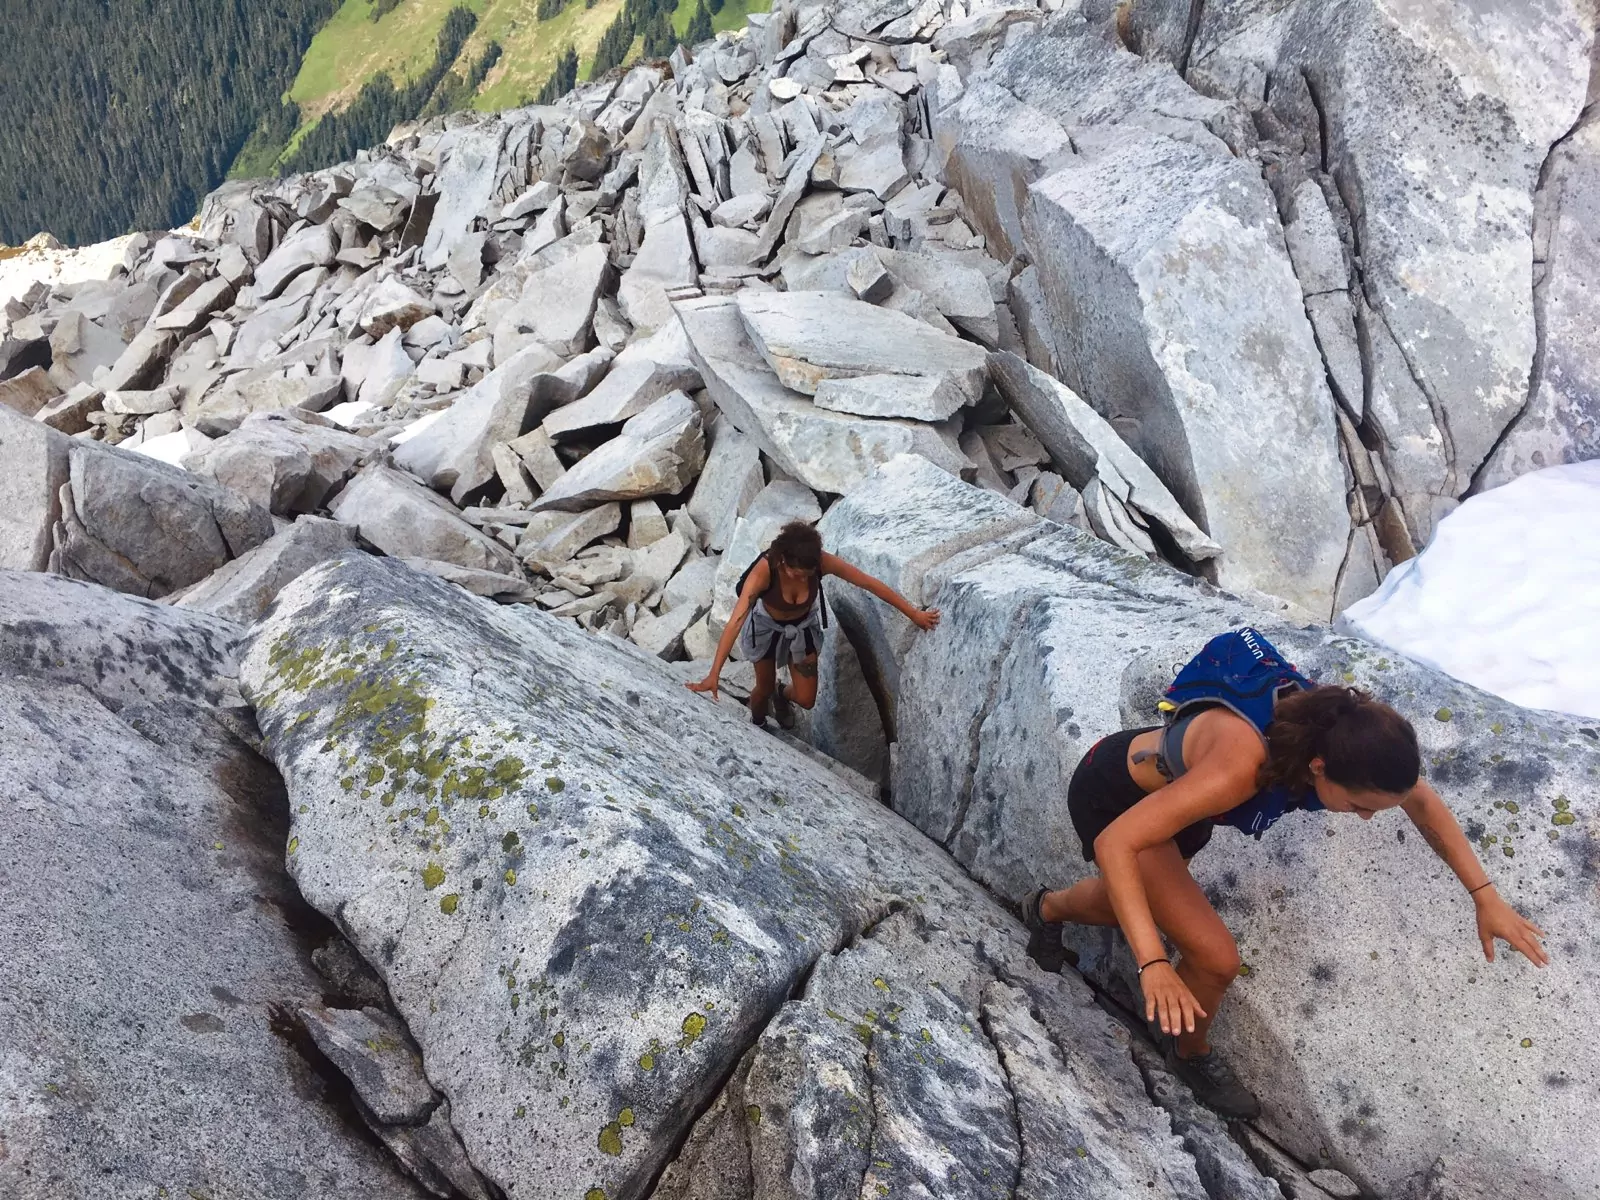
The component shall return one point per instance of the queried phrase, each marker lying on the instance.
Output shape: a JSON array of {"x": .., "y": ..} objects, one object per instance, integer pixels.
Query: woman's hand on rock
[
  {"x": 709, "y": 684},
  {"x": 1168, "y": 998},
  {"x": 1497, "y": 919},
  {"x": 925, "y": 618}
]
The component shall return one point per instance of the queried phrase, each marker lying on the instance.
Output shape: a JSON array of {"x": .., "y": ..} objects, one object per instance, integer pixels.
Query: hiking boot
[
  {"x": 1044, "y": 937},
  {"x": 1213, "y": 1082},
  {"x": 783, "y": 709},
  {"x": 758, "y": 716}
]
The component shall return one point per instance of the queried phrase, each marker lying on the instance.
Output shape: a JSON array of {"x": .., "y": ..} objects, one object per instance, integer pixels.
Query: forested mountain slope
[{"x": 122, "y": 114}]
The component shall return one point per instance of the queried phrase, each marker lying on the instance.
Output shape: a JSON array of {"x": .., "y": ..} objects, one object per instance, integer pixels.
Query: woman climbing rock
[
  {"x": 1247, "y": 739},
  {"x": 779, "y": 620}
]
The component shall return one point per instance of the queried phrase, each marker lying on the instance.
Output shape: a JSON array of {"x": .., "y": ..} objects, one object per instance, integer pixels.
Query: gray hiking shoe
[
  {"x": 1213, "y": 1082},
  {"x": 783, "y": 709},
  {"x": 1044, "y": 937}
]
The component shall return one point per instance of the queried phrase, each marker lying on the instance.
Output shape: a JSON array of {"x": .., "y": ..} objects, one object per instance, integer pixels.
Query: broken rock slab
[
  {"x": 281, "y": 462},
  {"x": 574, "y": 933},
  {"x": 809, "y": 337},
  {"x": 827, "y": 451},
  {"x": 241, "y": 590},
  {"x": 401, "y": 517},
  {"x": 658, "y": 453},
  {"x": 225, "y": 409},
  {"x": 1084, "y": 446}
]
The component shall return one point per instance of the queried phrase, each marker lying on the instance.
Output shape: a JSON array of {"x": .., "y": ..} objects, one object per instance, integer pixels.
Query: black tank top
[{"x": 779, "y": 608}]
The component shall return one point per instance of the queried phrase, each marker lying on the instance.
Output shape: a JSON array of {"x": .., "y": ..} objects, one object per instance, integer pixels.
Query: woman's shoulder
[{"x": 1220, "y": 730}]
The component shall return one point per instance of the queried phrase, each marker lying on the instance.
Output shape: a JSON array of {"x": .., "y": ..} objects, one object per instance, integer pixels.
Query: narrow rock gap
[
  {"x": 1011, "y": 1095},
  {"x": 1543, "y": 222},
  {"x": 1197, "y": 9},
  {"x": 975, "y": 734}
]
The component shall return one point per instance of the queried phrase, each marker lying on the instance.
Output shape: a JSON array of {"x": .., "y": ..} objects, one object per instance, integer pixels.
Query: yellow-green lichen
[
  {"x": 610, "y": 1139},
  {"x": 447, "y": 904},
  {"x": 693, "y": 1026},
  {"x": 432, "y": 876},
  {"x": 752, "y": 1113},
  {"x": 510, "y": 841},
  {"x": 1444, "y": 714},
  {"x": 511, "y": 877}
]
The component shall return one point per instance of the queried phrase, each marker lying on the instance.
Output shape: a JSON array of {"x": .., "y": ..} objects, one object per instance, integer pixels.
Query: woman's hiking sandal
[
  {"x": 783, "y": 708},
  {"x": 1044, "y": 937},
  {"x": 1213, "y": 1082}
]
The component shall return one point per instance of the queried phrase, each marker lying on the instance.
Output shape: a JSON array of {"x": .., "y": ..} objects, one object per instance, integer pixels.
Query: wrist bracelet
[
  {"x": 1152, "y": 963},
  {"x": 1479, "y": 888}
]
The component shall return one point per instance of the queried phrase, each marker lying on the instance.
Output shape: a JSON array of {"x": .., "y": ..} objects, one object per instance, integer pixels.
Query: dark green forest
[{"x": 123, "y": 114}]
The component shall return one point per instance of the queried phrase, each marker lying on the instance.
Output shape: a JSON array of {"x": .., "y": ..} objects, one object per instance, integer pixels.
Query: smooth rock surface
[
  {"x": 591, "y": 893},
  {"x": 659, "y": 452},
  {"x": 170, "y": 935}
]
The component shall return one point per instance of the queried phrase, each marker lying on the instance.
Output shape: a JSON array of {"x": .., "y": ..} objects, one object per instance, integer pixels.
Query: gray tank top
[{"x": 1169, "y": 754}]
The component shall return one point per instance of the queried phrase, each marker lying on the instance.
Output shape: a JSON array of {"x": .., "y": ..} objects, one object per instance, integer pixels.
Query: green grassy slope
[{"x": 352, "y": 49}]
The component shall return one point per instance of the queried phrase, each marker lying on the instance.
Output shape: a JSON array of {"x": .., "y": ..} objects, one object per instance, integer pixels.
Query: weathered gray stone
[
  {"x": 827, "y": 451},
  {"x": 557, "y": 304},
  {"x": 242, "y": 589},
  {"x": 665, "y": 263},
  {"x": 492, "y": 585},
  {"x": 402, "y": 518},
  {"x": 538, "y": 455},
  {"x": 808, "y": 337},
  {"x": 391, "y": 304},
  {"x": 313, "y": 246},
  {"x": 122, "y": 519},
  {"x": 576, "y": 949},
  {"x": 285, "y": 464},
  {"x": 658, "y": 453},
  {"x": 552, "y": 538},
  {"x": 1561, "y": 422},
  {"x": 732, "y": 479},
  {"x": 1053, "y": 640},
  {"x": 456, "y": 451},
  {"x": 643, "y": 373},
  {"x": 1159, "y": 245},
  {"x": 158, "y": 838},
  {"x": 917, "y": 397},
  {"x": 141, "y": 364},
  {"x": 225, "y": 409},
  {"x": 28, "y": 392},
  {"x": 466, "y": 183}
]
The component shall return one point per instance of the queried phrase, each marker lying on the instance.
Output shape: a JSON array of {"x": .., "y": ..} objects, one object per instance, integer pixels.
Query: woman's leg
[
  {"x": 802, "y": 687},
  {"x": 766, "y": 684},
  {"x": 1210, "y": 961}
]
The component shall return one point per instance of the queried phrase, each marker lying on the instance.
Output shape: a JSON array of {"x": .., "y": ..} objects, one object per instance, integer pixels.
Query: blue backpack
[{"x": 1243, "y": 672}]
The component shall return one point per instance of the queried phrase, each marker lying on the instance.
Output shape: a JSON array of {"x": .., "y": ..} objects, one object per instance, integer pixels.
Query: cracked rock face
[
  {"x": 1369, "y": 1024},
  {"x": 591, "y": 895},
  {"x": 149, "y": 929}
]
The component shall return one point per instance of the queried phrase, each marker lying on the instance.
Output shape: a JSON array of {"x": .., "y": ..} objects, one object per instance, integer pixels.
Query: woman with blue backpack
[{"x": 1247, "y": 739}]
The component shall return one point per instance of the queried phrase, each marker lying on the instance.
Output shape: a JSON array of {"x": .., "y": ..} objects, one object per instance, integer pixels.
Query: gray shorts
[{"x": 784, "y": 643}]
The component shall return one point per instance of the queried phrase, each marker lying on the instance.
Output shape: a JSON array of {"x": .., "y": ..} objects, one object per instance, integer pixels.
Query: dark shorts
[{"x": 1102, "y": 790}]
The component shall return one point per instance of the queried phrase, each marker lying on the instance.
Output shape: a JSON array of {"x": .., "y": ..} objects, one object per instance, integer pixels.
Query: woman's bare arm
[
  {"x": 832, "y": 564},
  {"x": 1496, "y": 919},
  {"x": 1222, "y": 776},
  {"x": 759, "y": 581}
]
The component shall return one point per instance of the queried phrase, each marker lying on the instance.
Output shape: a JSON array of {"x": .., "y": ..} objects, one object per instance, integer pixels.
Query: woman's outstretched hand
[
  {"x": 1497, "y": 919},
  {"x": 709, "y": 684},
  {"x": 925, "y": 618},
  {"x": 1166, "y": 996}
]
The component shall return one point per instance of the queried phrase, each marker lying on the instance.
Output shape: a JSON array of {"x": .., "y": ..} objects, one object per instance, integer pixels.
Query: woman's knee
[{"x": 1216, "y": 957}]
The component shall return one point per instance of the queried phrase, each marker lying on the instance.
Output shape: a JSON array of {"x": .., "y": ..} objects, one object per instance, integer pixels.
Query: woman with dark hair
[
  {"x": 1144, "y": 801},
  {"x": 778, "y": 620}
]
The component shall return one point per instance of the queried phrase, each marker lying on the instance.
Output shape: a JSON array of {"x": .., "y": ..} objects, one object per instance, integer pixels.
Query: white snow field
[{"x": 1507, "y": 595}]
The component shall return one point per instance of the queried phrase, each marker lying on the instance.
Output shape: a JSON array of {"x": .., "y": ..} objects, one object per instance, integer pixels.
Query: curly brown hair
[
  {"x": 1363, "y": 743},
  {"x": 798, "y": 545}
]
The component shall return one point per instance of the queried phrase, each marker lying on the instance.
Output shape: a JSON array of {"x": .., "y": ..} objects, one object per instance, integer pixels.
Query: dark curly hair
[
  {"x": 798, "y": 545},
  {"x": 1363, "y": 743}
]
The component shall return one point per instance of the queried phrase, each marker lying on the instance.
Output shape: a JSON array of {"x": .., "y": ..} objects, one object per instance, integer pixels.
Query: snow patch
[{"x": 1507, "y": 595}]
